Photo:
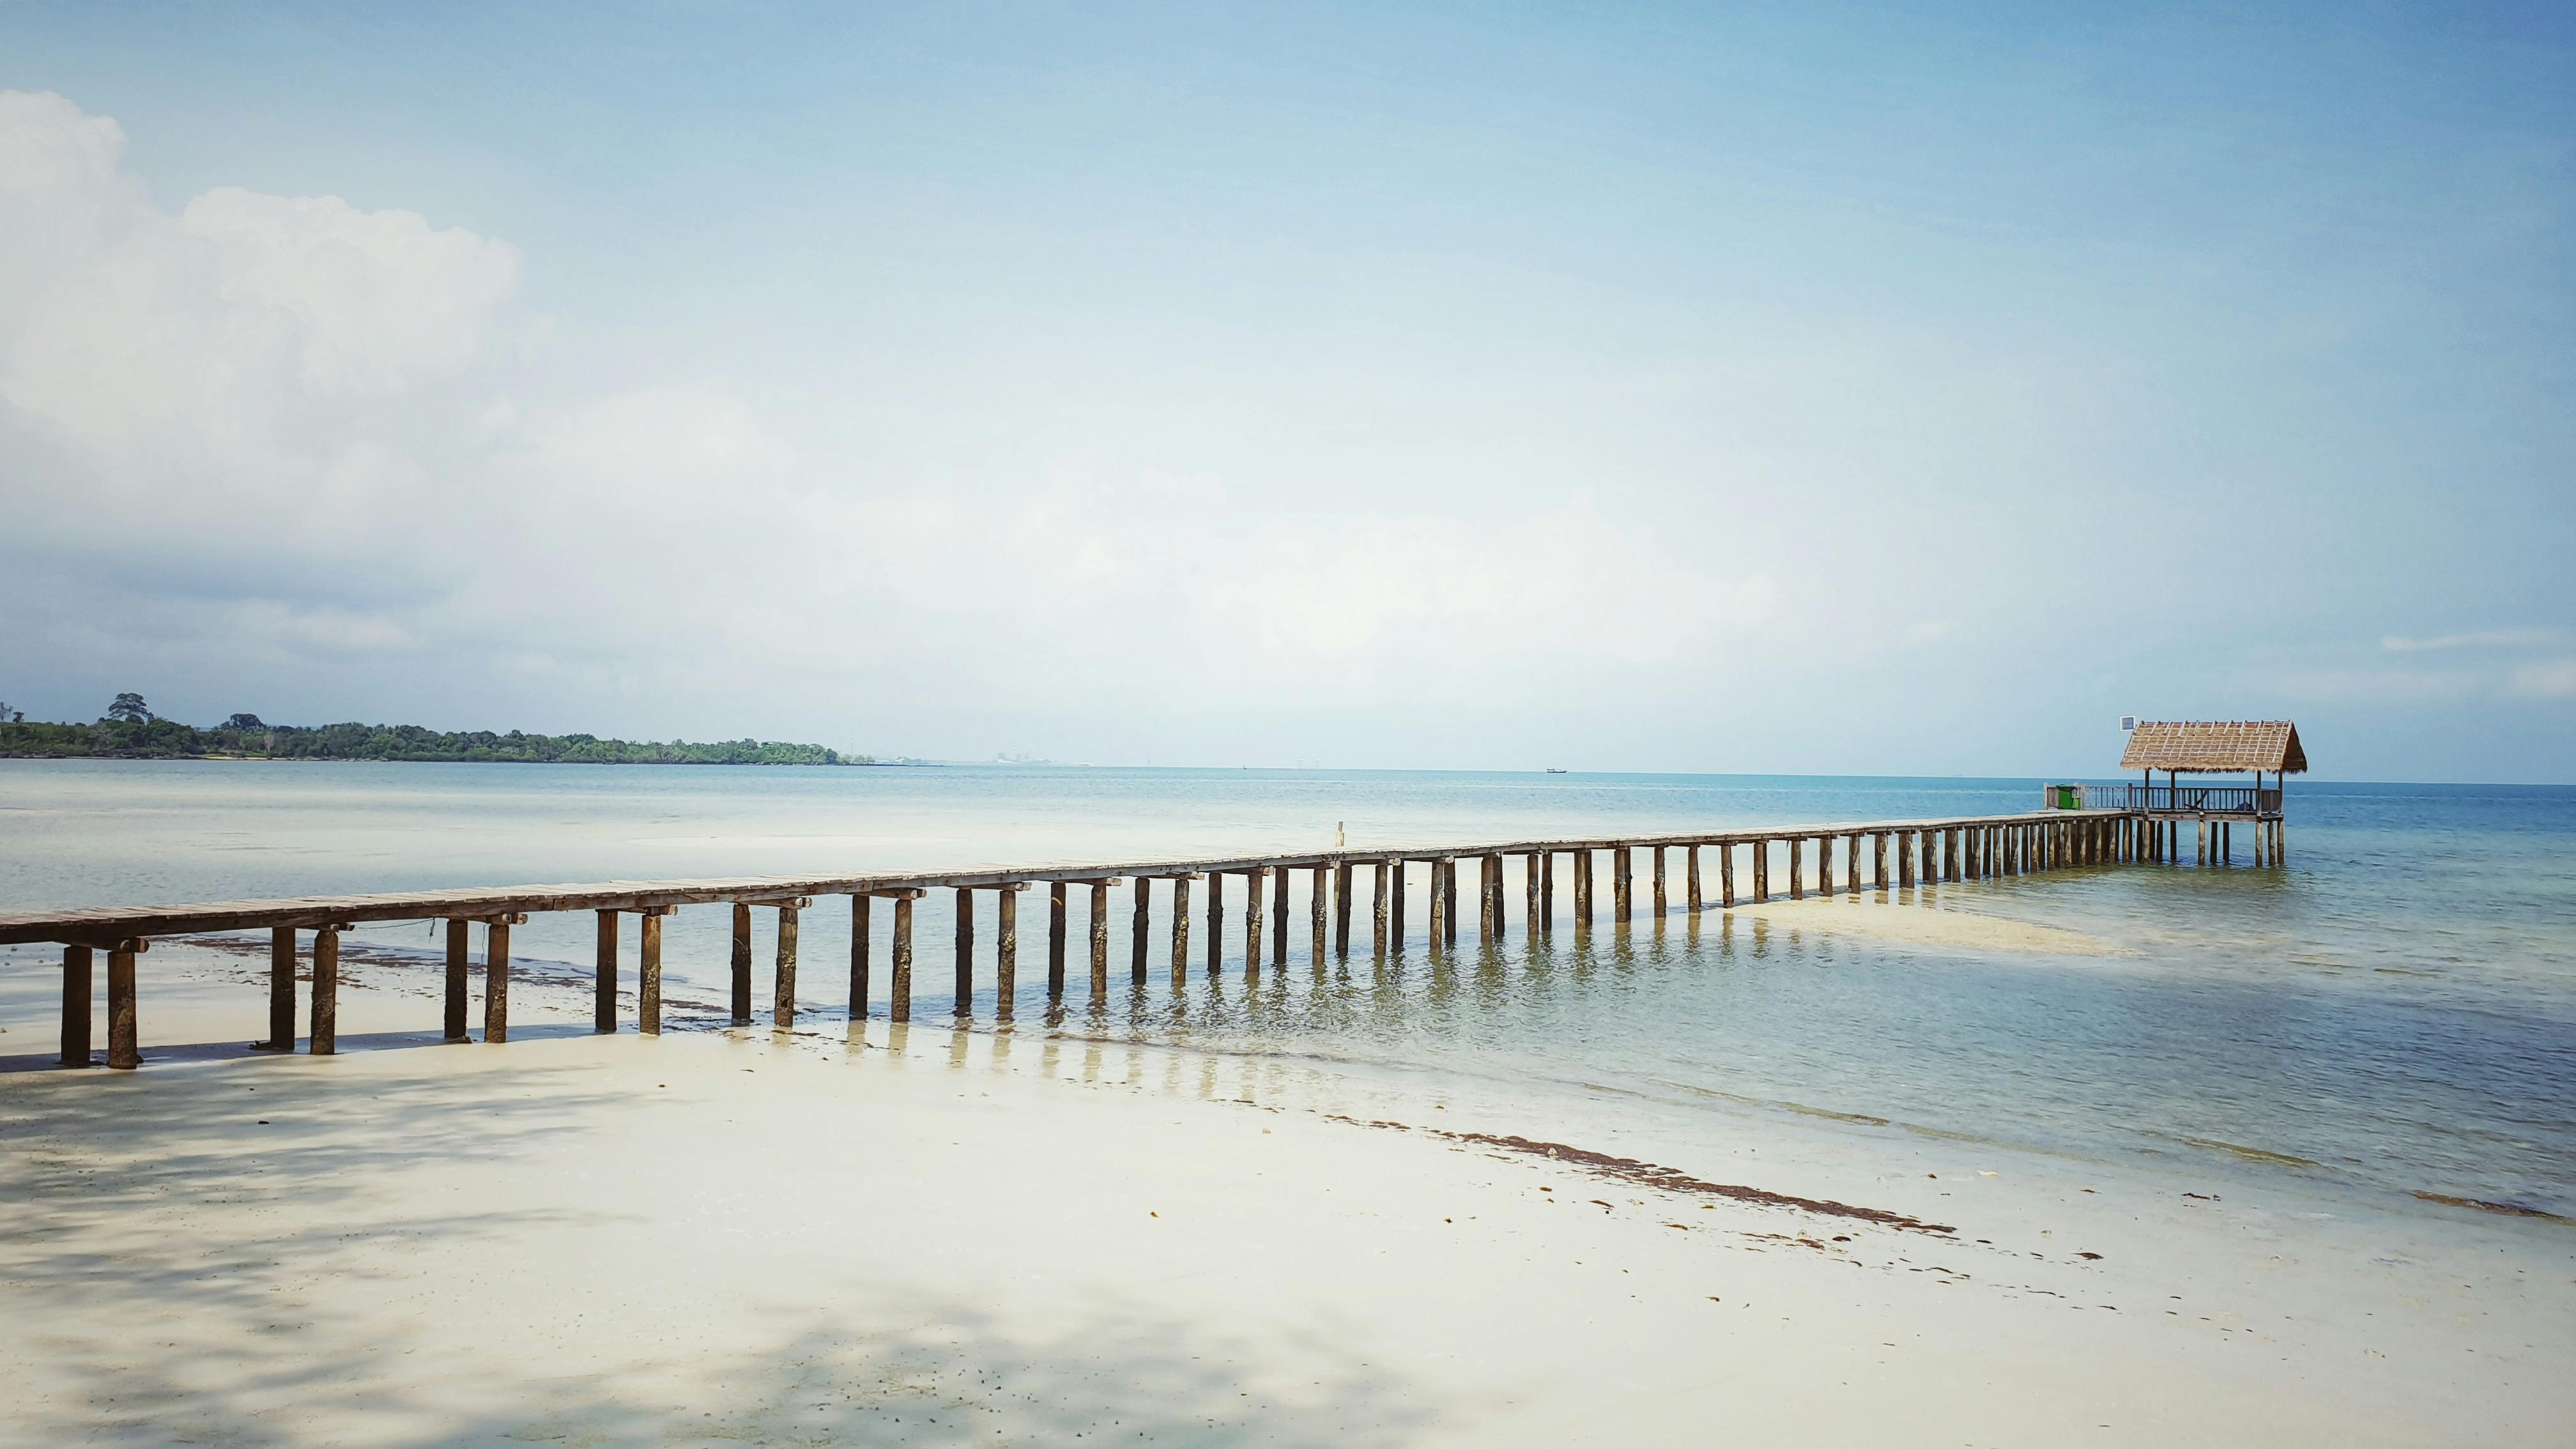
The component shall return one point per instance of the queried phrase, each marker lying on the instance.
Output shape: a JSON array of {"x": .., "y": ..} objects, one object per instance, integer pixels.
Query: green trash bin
[{"x": 2069, "y": 798}]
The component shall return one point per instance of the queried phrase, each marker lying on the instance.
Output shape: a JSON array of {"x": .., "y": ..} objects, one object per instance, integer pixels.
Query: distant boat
[{"x": 1554, "y": 771}]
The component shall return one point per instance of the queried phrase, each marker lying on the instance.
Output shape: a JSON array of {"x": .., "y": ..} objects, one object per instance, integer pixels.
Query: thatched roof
[{"x": 2209, "y": 746}]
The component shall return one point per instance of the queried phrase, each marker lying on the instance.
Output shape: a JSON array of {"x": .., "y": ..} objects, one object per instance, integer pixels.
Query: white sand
[{"x": 982, "y": 1240}]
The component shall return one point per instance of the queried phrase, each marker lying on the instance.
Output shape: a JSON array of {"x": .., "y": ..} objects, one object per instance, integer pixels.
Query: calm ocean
[{"x": 2394, "y": 1012}]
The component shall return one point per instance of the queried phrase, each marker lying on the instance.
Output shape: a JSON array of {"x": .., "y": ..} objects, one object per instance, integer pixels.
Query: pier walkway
[{"x": 1888, "y": 853}]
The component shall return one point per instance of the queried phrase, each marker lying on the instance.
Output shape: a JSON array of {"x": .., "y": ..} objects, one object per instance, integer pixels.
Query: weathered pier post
[
  {"x": 78, "y": 1001},
  {"x": 1378, "y": 920},
  {"x": 1318, "y": 896},
  {"x": 1797, "y": 870},
  {"x": 1583, "y": 889},
  {"x": 1181, "y": 927},
  {"x": 782, "y": 988},
  {"x": 1253, "y": 882},
  {"x": 1100, "y": 937},
  {"x": 1726, "y": 874},
  {"x": 1006, "y": 949},
  {"x": 859, "y": 948},
  {"x": 281, "y": 992},
  {"x": 323, "y": 1035},
  {"x": 1878, "y": 860},
  {"x": 1395, "y": 904},
  {"x": 1342, "y": 908},
  {"x": 1279, "y": 916},
  {"x": 648, "y": 973},
  {"x": 1546, "y": 917},
  {"x": 741, "y": 963},
  {"x": 1489, "y": 899},
  {"x": 1533, "y": 910},
  {"x": 1662, "y": 897},
  {"x": 1621, "y": 867},
  {"x": 603, "y": 985},
  {"x": 1216, "y": 925},
  {"x": 899, "y": 990},
  {"x": 1690, "y": 875},
  {"x": 457, "y": 947},
  {"x": 1055, "y": 940},
  {"x": 965, "y": 951},
  {"x": 124, "y": 1032},
  {"x": 1761, "y": 870},
  {"x": 1140, "y": 931},
  {"x": 496, "y": 974},
  {"x": 1851, "y": 862},
  {"x": 1825, "y": 865}
]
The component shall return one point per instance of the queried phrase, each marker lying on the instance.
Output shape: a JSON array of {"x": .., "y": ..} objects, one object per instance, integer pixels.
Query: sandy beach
[{"x": 937, "y": 1237}]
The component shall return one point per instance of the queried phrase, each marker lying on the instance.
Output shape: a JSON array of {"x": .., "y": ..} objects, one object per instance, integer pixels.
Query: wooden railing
[{"x": 2188, "y": 799}]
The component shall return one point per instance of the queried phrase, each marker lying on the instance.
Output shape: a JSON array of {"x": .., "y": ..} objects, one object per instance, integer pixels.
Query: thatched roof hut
[{"x": 2199, "y": 747}]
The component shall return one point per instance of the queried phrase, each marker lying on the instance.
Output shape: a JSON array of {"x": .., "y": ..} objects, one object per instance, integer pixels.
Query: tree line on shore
[{"x": 129, "y": 730}]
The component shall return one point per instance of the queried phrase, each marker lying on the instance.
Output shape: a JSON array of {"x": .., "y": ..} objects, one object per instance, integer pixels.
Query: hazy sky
[{"x": 1853, "y": 389}]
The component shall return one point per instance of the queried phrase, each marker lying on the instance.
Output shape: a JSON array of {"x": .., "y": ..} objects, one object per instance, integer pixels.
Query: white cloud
[
  {"x": 2551, "y": 679},
  {"x": 2475, "y": 639}
]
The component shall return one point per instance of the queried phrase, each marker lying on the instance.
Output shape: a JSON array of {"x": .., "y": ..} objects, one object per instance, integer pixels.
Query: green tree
[{"x": 129, "y": 708}]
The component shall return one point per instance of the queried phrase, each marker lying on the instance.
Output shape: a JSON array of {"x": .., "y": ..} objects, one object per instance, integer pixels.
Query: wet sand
[{"x": 970, "y": 1238}]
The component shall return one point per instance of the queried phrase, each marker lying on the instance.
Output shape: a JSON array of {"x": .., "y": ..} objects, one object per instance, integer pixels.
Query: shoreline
[{"x": 941, "y": 1236}]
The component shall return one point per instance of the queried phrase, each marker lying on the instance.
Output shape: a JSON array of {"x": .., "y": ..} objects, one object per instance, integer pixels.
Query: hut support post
[{"x": 78, "y": 1001}]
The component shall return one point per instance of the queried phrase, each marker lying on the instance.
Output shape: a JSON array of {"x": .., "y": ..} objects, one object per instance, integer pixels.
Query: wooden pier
[{"x": 1896, "y": 855}]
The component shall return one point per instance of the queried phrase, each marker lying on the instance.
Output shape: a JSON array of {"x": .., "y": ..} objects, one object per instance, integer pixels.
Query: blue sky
[{"x": 1859, "y": 389}]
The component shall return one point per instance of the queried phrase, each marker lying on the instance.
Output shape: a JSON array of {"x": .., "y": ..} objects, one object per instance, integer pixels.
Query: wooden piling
[
  {"x": 124, "y": 1032},
  {"x": 1253, "y": 882},
  {"x": 1530, "y": 908},
  {"x": 1726, "y": 874},
  {"x": 742, "y": 963},
  {"x": 1662, "y": 901},
  {"x": 457, "y": 966},
  {"x": 782, "y": 991},
  {"x": 1279, "y": 916},
  {"x": 1797, "y": 869},
  {"x": 1055, "y": 940},
  {"x": 281, "y": 991},
  {"x": 603, "y": 986},
  {"x": 496, "y": 975},
  {"x": 1824, "y": 865},
  {"x": 859, "y": 948},
  {"x": 1215, "y": 926},
  {"x": 648, "y": 972},
  {"x": 1395, "y": 905},
  {"x": 1582, "y": 890},
  {"x": 1342, "y": 908},
  {"x": 1690, "y": 875},
  {"x": 1489, "y": 902},
  {"x": 1006, "y": 950},
  {"x": 1180, "y": 928},
  {"x": 1621, "y": 865},
  {"x": 899, "y": 1003},
  {"x": 1761, "y": 871},
  {"x": 1140, "y": 931},
  {"x": 1318, "y": 897},
  {"x": 1099, "y": 939},
  {"x": 1547, "y": 891},
  {"x": 965, "y": 1005},
  {"x": 78, "y": 1002},
  {"x": 1378, "y": 921}
]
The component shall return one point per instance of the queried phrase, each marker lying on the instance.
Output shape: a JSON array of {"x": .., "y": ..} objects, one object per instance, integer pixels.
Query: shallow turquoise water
[{"x": 2396, "y": 1008}]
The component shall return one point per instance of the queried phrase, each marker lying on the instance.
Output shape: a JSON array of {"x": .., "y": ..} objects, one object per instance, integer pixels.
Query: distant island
[{"x": 130, "y": 731}]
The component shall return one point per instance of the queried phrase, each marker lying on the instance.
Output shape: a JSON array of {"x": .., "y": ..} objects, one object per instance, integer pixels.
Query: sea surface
[{"x": 2391, "y": 1013}]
